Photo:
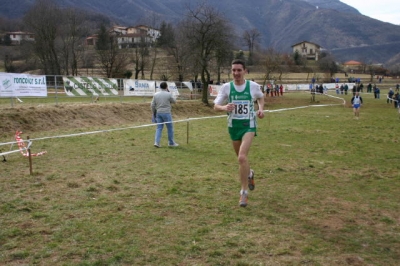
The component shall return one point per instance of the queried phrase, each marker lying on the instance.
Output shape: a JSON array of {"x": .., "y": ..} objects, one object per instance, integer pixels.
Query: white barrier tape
[
  {"x": 10, "y": 143},
  {"x": 8, "y": 152},
  {"x": 388, "y": 98},
  {"x": 336, "y": 97},
  {"x": 153, "y": 124},
  {"x": 394, "y": 100}
]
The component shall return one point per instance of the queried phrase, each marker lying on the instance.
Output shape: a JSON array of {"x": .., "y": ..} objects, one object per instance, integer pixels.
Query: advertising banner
[
  {"x": 171, "y": 87},
  {"x": 306, "y": 87},
  {"x": 85, "y": 86},
  {"x": 137, "y": 87},
  {"x": 22, "y": 85}
]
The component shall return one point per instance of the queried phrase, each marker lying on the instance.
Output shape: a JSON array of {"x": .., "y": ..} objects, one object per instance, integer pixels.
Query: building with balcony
[{"x": 309, "y": 50}]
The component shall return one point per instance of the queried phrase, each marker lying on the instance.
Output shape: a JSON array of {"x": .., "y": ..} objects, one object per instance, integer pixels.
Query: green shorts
[{"x": 238, "y": 133}]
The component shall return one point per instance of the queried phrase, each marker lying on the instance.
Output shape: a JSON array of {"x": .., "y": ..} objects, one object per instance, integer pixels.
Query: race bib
[{"x": 242, "y": 109}]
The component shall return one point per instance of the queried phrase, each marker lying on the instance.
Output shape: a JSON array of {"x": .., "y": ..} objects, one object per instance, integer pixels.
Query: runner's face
[{"x": 238, "y": 72}]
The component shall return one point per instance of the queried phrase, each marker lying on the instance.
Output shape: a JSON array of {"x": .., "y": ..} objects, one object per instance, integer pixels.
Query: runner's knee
[{"x": 242, "y": 159}]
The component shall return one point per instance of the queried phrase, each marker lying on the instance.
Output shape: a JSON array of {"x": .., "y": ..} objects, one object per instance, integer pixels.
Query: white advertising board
[{"x": 22, "y": 85}]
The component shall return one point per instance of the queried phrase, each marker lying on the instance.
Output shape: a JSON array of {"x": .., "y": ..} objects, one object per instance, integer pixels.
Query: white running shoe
[
  {"x": 173, "y": 145},
  {"x": 243, "y": 200}
]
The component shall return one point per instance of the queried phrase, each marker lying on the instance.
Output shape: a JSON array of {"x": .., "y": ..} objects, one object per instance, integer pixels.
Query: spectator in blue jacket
[{"x": 390, "y": 96}]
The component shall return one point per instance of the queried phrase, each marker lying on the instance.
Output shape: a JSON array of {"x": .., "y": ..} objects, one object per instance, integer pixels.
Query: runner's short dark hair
[{"x": 239, "y": 62}]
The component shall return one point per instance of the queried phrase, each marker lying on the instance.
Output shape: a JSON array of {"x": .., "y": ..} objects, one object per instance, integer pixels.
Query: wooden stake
[{"x": 30, "y": 159}]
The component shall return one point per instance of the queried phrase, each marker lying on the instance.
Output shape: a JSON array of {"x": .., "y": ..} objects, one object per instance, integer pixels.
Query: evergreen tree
[
  {"x": 240, "y": 55},
  {"x": 167, "y": 36},
  {"x": 7, "y": 40},
  {"x": 103, "y": 41},
  {"x": 297, "y": 58}
]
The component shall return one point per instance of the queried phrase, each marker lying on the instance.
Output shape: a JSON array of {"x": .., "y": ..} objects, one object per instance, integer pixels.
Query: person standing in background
[
  {"x": 378, "y": 92},
  {"x": 369, "y": 87},
  {"x": 161, "y": 107},
  {"x": 396, "y": 99},
  {"x": 356, "y": 101},
  {"x": 390, "y": 96},
  {"x": 346, "y": 88}
]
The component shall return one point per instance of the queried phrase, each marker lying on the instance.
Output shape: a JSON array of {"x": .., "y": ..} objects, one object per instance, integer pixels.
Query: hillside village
[
  {"x": 131, "y": 36},
  {"x": 128, "y": 37}
]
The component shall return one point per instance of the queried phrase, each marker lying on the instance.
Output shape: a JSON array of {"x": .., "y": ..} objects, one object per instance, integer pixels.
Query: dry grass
[{"x": 327, "y": 188}]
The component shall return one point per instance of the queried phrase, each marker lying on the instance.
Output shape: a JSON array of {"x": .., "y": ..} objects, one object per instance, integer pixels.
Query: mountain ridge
[{"x": 330, "y": 23}]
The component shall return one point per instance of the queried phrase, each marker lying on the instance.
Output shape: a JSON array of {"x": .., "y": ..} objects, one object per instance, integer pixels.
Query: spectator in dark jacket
[{"x": 390, "y": 96}]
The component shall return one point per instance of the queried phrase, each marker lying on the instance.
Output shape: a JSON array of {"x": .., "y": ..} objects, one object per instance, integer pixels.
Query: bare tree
[
  {"x": 177, "y": 46},
  {"x": 153, "y": 21},
  {"x": 72, "y": 33},
  {"x": 88, "y": 58},
  {"x": 8, "y": 63},
  {"x": 205, "y": 30},
  {"x": 43, "y": 19},
  {"x": 273, "y": 66},
  {"x": 140, "y": 57},
  {"x": 153, "y": 62},
  {"x": 371, "y": 71},
  {"x": 250, "y": 39},
  {"x": 328, "y": 65},
  {"x": 113, "y": 61},
  {"x": 223, "y": 58}
]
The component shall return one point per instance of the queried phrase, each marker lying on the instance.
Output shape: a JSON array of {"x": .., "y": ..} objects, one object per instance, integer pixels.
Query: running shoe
[
  {"x": 252, "y": 185},
  {"x": 157, "y": 145},
  {"x": 243, "y": 200}
]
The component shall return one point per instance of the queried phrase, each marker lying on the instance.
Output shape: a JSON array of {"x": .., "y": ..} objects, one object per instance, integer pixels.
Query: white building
[
  {"x": 128, "y": 37},
  {"x": 152, "y": 33},
  {"x": 309, "y": 50},
  {"x": 131, "y": 40},
  {"x": 18, "y": 36}
]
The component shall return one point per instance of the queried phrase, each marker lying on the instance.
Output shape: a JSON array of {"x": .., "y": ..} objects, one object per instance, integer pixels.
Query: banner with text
[
  {"x": 84, "y": 86},
  {"x": 136, "y": 87},
  {"x": 22, "y": 85},
  {"x": 305, "y": 87},
  {"x": 171, "y": 87}
]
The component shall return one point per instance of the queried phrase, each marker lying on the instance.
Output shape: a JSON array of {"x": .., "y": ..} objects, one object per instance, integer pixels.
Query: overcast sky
[{"x": 384, "y": 10}]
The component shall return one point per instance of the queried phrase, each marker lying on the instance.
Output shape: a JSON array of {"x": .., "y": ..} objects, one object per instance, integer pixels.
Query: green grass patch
[{"x": 327, "y": 193}]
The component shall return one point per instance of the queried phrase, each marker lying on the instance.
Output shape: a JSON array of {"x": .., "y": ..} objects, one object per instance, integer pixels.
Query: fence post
[
  {"x": 187, "y": 131},
  {"x": 30, "y": 159},
  {"x": 55, "y": 88}
]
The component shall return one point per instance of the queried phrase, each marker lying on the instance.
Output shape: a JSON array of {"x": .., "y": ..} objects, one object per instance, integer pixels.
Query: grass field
[{"x": 327, "y": 193}]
